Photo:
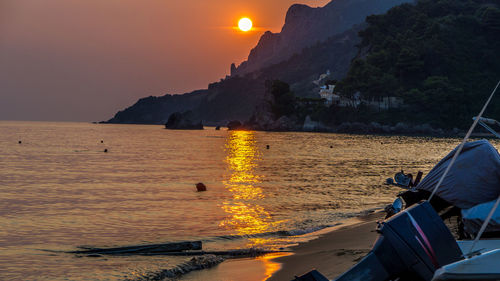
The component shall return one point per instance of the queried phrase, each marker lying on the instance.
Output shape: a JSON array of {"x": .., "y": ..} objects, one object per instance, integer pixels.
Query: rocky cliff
[
  {"x": 312, "y": 41},
  {"x": 305, "y": 26},
  {"x": 236, "y": 98}
]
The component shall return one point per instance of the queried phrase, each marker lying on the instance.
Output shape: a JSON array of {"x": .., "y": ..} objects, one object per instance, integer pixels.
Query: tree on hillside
[
  {"x": 283, "y": 103},
  {"x": 441, "y": 56}
]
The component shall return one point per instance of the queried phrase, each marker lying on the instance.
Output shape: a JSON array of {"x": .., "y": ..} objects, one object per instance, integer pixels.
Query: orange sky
[{"x": 82, "y": 60}]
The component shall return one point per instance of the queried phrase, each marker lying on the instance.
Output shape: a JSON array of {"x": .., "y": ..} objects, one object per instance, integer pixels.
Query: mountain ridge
[
  {"x": 237, "y": 96},
  {"x": 305, "y": 26}
]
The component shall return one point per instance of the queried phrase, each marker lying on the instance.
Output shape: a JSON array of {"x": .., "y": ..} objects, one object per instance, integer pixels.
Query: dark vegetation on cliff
[
  {"x": 286, "y": 103},
  {"x": 441, "y": 56}
]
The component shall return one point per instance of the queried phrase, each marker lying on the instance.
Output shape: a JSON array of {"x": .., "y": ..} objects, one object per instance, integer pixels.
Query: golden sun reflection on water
[{"x": 245, "y": 215}]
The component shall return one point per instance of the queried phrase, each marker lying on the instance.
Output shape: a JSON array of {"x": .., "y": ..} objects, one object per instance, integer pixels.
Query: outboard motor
[{"x": 413, "y": 243}]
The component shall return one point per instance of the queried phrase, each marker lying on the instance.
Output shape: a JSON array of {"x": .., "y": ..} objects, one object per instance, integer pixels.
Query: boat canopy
[
  {"x": 474, "y": 217},
  {"x": 472, "y": 180}
]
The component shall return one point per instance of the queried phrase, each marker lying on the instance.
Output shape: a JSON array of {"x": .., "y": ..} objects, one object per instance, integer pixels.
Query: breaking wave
[
  {"x": 196, "y": 263},
  {"x": 279, "y": 233}
]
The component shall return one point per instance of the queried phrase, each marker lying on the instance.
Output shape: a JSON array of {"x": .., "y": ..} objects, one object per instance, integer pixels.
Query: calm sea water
[{"x": 59, "y": 190}]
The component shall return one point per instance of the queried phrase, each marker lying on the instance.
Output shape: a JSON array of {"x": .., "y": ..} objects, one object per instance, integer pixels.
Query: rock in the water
[
  {"x": 234, "y": 125},
  {"x": 183, "y": 121},
  {"x": 310, "y": 125},
  {"x": 201, "y": 187},
  {"x": 262, "y": 118}
]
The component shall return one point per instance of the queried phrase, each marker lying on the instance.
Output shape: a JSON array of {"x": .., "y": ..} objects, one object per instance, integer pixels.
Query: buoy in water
[{"x": 201, "y": 187}]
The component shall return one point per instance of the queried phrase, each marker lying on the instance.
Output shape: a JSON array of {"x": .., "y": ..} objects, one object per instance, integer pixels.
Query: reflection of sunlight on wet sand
[
  {"x": 270, "y": 265},
  {"x": 246, "y": 216},
  {"x": 245, "y": 269}
]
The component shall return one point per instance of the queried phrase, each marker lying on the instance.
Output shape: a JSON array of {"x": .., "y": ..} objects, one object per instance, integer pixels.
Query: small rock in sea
[
  {"x": 201, "y": 187},
  {"x": 183, "y": 121},
  {"x": 234, "y": 125},
  {"x": 106, "y": 150},
  {"x": 267, "y": 146}
]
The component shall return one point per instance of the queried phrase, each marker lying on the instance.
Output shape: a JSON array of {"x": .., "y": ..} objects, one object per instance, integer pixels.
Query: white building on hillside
[{"x": 326, "y": 92}]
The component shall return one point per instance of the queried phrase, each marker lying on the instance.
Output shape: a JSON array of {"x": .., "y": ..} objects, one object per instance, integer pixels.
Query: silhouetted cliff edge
[
  {"x": 305, "y": 26},
  {"x": 312, "y": 41}
]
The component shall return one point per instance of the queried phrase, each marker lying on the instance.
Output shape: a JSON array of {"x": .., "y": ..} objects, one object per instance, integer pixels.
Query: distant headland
[{"x": 354, "y": 66}]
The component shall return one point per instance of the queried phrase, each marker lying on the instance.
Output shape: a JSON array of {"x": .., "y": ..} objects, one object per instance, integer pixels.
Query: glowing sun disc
[{"x": 245, "y": 24}]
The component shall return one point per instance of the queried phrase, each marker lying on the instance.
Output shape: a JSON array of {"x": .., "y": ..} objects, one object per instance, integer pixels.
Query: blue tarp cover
[
  {"x": 474, "y": 218},
  {"x": 472, "y": 180}
]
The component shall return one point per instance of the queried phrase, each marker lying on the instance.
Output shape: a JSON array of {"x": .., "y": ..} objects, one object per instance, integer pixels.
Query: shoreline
[
  {"x": 406, "y": 133},
  {"x": 333, "y": 252}
]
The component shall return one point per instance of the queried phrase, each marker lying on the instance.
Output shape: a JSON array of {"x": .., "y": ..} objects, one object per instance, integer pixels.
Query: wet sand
[
  {"x": 246, "y": 269},
  {"x": 332, "y": 253},
  {"x": 335, "y": 251}
]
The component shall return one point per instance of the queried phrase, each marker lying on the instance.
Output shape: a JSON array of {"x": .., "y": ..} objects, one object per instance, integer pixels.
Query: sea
[{"x": 61, "y": 192}]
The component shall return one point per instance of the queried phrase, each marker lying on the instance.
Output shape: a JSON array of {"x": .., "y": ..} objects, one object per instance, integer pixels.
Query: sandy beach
[{"x": 332, "y": 253}]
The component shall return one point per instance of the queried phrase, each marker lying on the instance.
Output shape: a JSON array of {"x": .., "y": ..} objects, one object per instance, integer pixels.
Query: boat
[
  {"x": 483, "y": 266},
  {"x": 415, "y": 244}
]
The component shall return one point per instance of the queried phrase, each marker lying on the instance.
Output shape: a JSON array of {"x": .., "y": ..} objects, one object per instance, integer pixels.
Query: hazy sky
[{"x": 83, "y": 60}]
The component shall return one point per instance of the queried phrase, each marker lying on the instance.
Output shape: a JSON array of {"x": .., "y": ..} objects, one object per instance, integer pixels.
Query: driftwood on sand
[
  {"x": 143, "y": 249},
  {"x": 241, "y": 253},
  {"x": 189, "y": 248}
]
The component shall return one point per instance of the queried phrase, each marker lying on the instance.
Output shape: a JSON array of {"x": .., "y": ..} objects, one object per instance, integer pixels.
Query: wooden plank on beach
[
  {"x": 144, "y": 249},
  {"x": 242, "y": 253}
]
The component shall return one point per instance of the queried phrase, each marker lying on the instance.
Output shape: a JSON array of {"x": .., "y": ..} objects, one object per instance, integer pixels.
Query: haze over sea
[{"x": 59, "y": 190}]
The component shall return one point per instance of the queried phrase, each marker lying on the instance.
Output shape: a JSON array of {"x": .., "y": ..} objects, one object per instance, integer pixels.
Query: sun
[{"x": 245, "y": 24}]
